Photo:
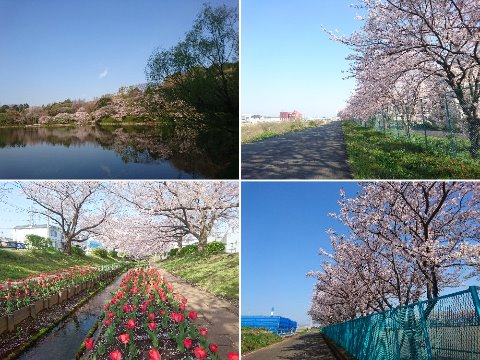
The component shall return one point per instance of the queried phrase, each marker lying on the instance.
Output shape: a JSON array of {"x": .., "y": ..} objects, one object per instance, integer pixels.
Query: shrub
[
  {"x": 77, "y": 250},
  {"x": 113, "y": 253},
  {"x": 37, "y": 242},
  {"x": 173, "y": 252},
  {"x": 100, "y": 252},
  {"x": 215, "y": 247},
  {"x": 188, "y": 250},
  {"x": 103, "y": 101}
]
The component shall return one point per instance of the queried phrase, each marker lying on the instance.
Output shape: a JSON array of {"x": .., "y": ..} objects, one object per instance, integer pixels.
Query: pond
[{"x": 107, "y": 152}]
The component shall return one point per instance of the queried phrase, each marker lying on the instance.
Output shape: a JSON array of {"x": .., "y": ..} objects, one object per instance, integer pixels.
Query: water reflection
[{"x": 106, "y": 152}]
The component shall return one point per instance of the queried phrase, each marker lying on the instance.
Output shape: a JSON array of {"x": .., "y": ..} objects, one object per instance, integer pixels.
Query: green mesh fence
[
  {"x": 444, "y": 328},
  {"x": 451, "y": 127}
]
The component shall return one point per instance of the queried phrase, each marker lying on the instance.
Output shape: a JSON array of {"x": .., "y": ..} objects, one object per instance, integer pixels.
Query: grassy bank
[
  {"x": 263, "y": 130},
  {"x": 375, "y": 155},
  {"x": 217, "y": 274},
  {"x": 16, "y": 264},
  {"x": 253, "y": 339}
]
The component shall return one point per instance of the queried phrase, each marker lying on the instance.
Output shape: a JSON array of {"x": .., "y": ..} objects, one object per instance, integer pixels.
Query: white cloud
[{"x": 103, "y": 73}]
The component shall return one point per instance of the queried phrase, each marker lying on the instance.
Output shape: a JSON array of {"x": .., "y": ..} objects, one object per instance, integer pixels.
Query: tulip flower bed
[
  {"x": 145, "y": 319},
  {"x": 26, "y": 297}
]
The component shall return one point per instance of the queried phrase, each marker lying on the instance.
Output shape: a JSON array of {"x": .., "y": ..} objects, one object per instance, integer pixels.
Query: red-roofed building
[{"x": 294, "y": 115}]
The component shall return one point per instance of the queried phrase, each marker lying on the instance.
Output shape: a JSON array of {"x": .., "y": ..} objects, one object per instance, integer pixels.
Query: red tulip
[
  {"x": 143, "y": 308},
  {"x": 203, "y": 331},
  {"x": 111, "y": 315},
  {"x": 200, "y": 353},
  {"x": 124, "y": 338},
  {"x": 107, "y": 306},
  {"x": 177, "y": 317},
  {"x": 187, "y": 343},
  {"x": 162, "y": 312},
  {"x": 233, "y": 356},
  {"x": 213, "y": 348},
  {"x": 154, "y": 354},
  {"x": 115, "y": 355},
  {"x": 192, "y": 315},
  {"x": 89, "y": 344},
  {"x": 182, "y": 307},
  {"x": 130, "y": 324},
  {"x": 108, "y": 322},
  {"x": 151, "y": 316},
  {"x": 152, "y": 326}
]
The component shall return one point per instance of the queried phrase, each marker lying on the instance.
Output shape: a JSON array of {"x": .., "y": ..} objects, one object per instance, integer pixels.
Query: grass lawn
[
  {"x": 375, "y": 155},
  {"x": 263, "y": 130},
  {"x": 16, "y": 264},
  {"x": 257, "y": 338},
  {"x": 217, "y": 274}
]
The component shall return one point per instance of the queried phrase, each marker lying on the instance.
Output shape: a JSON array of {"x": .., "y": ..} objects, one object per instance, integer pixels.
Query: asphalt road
[
  {"x": 305, "y": 347},
  {"x": 318, "y": 153}
]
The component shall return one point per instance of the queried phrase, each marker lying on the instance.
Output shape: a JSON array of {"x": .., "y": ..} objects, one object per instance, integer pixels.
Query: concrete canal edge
[{"x": 44, "y": 331}]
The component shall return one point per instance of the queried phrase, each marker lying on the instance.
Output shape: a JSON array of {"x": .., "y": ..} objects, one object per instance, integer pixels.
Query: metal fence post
[
  {"x": 424, "y": 125},
  {"x": 476, "y": 301},
  {"x": 395, "y": 322},
  {"x": 425, "y": 331},
  {"x": 450, "y": 129}
]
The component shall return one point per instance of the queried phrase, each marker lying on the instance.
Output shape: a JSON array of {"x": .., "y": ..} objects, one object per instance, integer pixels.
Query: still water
[{"x": 107, "y": 152}]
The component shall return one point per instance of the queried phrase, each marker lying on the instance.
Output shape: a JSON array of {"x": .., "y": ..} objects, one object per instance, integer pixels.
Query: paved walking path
[
  {"x": 318, "y": 153},
  {"x": 217, "y": 315},
  {"x": 305, "y": 347}
]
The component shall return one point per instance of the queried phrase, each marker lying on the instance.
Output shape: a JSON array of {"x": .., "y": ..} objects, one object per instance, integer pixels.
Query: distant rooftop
[{"x": 40, "y": 226}]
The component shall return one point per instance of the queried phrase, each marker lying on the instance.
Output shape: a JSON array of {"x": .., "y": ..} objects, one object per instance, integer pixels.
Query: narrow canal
[{"x": 65, "y": 339}]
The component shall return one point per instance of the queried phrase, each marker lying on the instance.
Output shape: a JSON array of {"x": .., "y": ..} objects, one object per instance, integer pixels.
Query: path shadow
[
  {"x": 310, "y": 346},
  {"x": 318, "y": 153}
]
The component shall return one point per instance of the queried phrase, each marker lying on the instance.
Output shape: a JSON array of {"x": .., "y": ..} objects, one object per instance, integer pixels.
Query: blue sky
[
  {"x": 52, "y": 50},
  {"x": 283, "y": 227},
  {"x": 288, "y": 62},
  {"x": 14, "y": 211}
]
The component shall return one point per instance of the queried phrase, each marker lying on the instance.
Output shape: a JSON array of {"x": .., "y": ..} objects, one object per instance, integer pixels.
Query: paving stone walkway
[
  {"x": 318, "y": 153},
  {"x": 217, "y": 315}
]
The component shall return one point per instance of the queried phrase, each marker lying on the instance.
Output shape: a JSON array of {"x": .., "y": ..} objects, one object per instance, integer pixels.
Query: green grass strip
[
  {"x": 375, "y": 155},
  {"x": 217, "y": 274},
  {"x": 254, "y": 339},
  {"x": 17, "y": 264}
]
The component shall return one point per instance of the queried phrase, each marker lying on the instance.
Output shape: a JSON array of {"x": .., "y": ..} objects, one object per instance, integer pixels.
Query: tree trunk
[
  {"x": 202, "y": 243},
  {"x": 67, "y": 247}
]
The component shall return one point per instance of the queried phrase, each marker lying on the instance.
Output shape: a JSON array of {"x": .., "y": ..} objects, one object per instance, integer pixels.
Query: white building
[
  {"x": 231, "y": 239},
  {"x": 54, "y": 233}
]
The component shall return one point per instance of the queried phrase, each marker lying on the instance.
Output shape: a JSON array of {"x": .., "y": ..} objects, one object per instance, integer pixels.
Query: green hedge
[
  {"x": 188, "y": 250},
  {"x": 100, "y": 252},
  {"x": 78, "y": 251},
  {"x": 215, "y": 247}
]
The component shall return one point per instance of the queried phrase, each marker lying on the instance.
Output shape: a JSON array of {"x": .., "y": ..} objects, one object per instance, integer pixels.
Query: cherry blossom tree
[
  {"x": 405, "y": 239},
  {"x": 77, "y": 208},
  {"x": 179, "y": 209},
  {"x": 417, "y": 41}
]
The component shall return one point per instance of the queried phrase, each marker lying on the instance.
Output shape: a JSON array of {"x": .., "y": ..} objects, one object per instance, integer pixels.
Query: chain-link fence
[
  {"x": 449, "y": 125},
  {"x": 446, "y": 327}
]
